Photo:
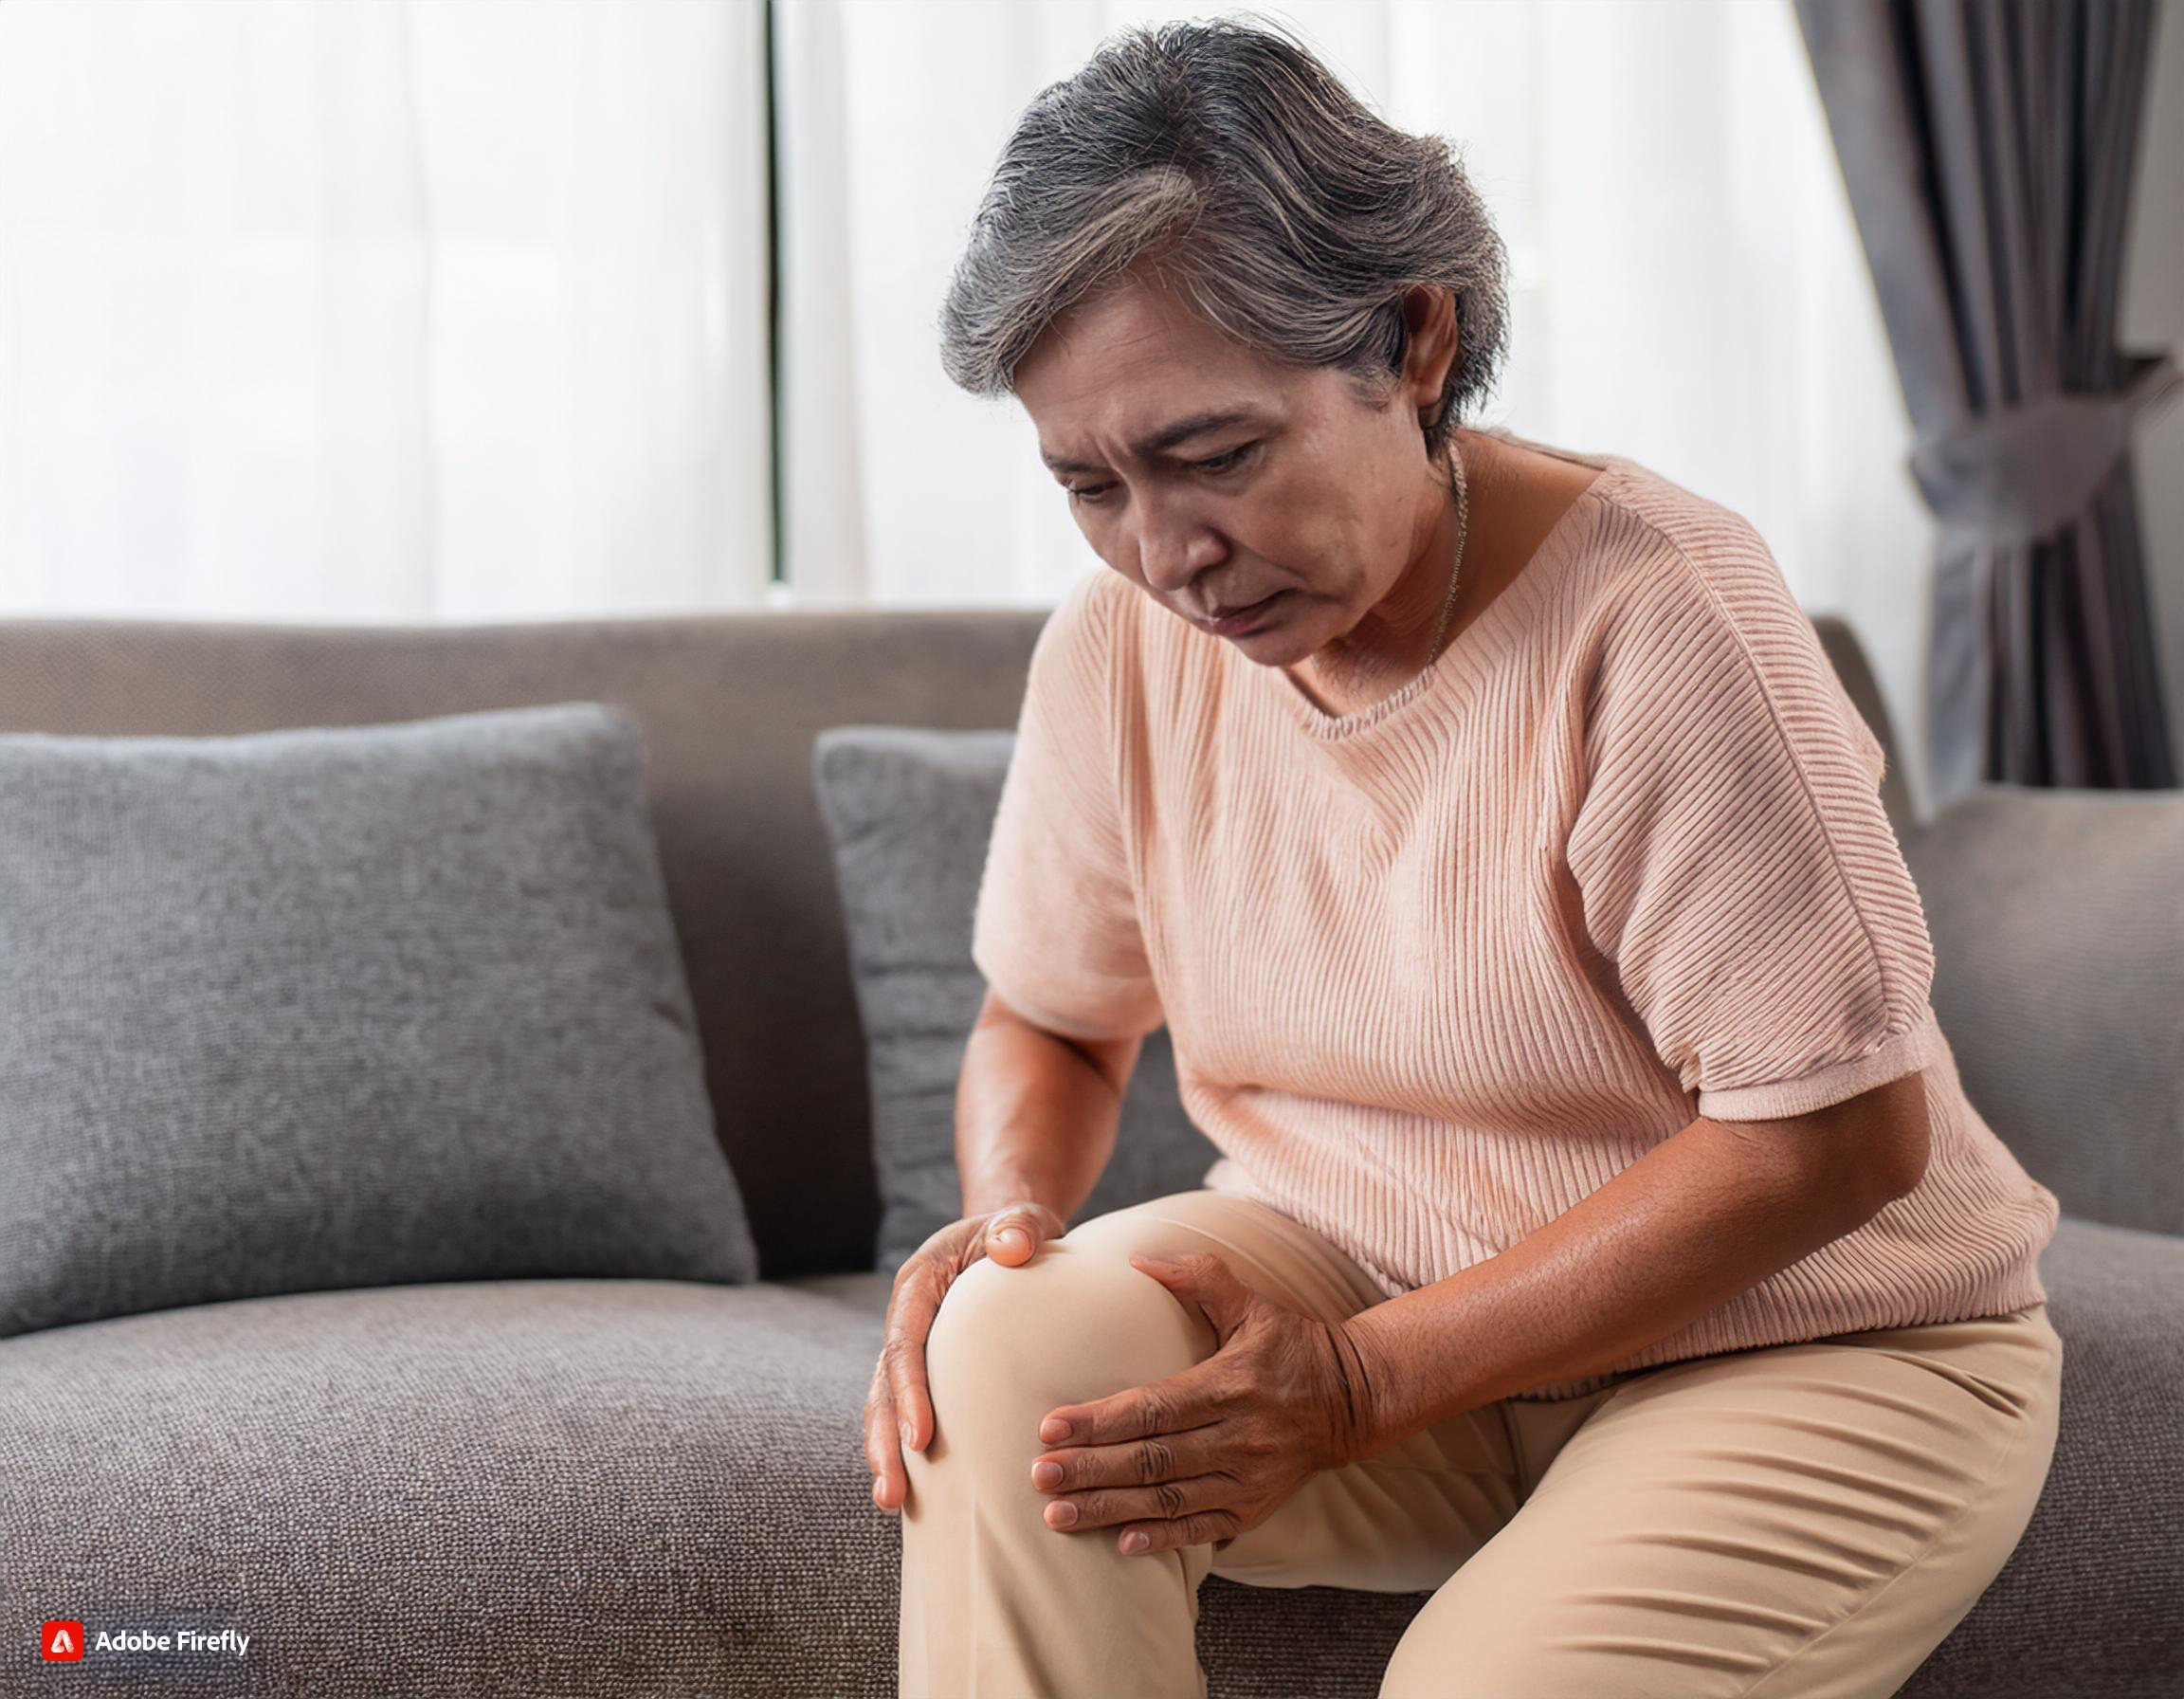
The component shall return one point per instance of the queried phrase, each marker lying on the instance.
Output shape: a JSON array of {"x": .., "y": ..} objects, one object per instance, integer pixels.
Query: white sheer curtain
[
  {"x": 1687, "y": 286},
  {"x": 383, "y": 309}
]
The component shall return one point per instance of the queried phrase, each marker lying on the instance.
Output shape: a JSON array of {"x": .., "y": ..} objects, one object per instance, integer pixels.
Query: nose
[{"x": 1173, "y": 547}]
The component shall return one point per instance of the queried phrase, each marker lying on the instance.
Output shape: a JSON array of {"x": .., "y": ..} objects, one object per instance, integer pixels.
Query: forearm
[
  {"x": 1035, "y": 1120},
  {"x": 1697, "y": 1219}
]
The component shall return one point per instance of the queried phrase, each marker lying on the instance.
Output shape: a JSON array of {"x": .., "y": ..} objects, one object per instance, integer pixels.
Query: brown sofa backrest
[{"x": 730, "y": 704}]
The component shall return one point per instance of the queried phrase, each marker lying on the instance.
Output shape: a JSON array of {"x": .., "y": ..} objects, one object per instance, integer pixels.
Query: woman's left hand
[{"x": 1202, "y": 1455}]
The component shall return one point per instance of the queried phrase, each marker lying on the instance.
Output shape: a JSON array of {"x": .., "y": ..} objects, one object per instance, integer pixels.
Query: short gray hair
[{"x": 1229, "y": 159}]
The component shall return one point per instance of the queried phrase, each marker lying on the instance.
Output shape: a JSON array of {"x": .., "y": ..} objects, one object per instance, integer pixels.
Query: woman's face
[{"x": 1212, "y": 478}]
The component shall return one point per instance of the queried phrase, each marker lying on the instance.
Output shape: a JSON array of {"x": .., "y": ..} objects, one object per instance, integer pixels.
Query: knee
[{"x": 1077, "y": 1322}]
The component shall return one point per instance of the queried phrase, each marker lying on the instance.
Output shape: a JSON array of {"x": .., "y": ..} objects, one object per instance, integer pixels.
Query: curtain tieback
[{"x": 2022, "y": 472}]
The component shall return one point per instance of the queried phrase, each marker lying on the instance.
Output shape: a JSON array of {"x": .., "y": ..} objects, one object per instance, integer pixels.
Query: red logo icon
[{"x": 63, "y": 1642}]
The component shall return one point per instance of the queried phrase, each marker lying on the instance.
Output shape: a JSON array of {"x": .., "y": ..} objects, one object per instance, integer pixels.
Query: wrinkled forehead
[
  {"x": 1117, "y": 386},
  {"x": 1129, "y": 345}
]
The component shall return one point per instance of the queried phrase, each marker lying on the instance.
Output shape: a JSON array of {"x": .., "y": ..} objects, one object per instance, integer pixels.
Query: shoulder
[
  {"x": 1693, "y": 618},
  {"x": 1094, "y": 615},
  {"x": 1663, "y": 544},
  {"x": 1685, "y": 575},
  {"x": 1140, "y": 646},
  {"x": 1075, "y": 642},
  {"x": 1089, "y": 662}
]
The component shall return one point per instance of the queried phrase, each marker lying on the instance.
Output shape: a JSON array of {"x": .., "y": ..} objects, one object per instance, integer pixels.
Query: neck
[{"x": 1397, "y": 638}]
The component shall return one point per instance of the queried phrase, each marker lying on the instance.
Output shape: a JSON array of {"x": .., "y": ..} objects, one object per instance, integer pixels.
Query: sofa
[{"x": 596, "y": 1488}]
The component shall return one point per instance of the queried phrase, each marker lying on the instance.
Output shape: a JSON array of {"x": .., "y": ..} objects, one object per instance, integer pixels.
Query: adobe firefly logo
[{"x": 66, "y": 1642}]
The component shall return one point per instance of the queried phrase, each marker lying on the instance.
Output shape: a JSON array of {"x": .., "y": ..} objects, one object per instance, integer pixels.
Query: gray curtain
[{"x": 1988, "y": 147}]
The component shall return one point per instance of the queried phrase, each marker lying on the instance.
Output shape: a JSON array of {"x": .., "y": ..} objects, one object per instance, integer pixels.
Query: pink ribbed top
[{"x": 1437, "y": 969}]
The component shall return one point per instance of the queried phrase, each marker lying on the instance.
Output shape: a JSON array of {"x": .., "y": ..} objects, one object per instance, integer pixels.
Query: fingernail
[
  {"x": 1135, "y": 1543},
  {"x": 1045, "y": 1475},
  {"x": 1053, "y": 1429},
  {"x": 1015, "y": 1237},
  {"x": 1062, "y": 1516},
  {"x": 909, "y": 1435}
]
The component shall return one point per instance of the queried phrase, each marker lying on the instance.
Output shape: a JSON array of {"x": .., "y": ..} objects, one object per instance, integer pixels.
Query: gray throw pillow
[
  {"x": 344, "y": 1006},
  {"x": 908, "y": 810}
]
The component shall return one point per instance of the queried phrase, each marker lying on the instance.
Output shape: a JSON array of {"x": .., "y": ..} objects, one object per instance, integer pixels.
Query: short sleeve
[
  {"x": 1056, "y": 932},
  {"x": 1731, "y": 854}
]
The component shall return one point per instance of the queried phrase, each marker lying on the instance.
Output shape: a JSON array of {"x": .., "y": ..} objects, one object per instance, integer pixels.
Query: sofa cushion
[
  {"x": 909, "y": 811},
  {"x": 341, "y": 1006},
  {"x": 2086, "y": 1605},
  {"x": 563, "y": 1489},
  {"x": 2058, "y": 926},
  {"x": 558, "y": 1489}
]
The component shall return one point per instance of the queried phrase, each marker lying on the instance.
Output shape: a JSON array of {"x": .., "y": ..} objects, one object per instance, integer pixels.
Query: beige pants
[{"x": 1806, "y": 1520}]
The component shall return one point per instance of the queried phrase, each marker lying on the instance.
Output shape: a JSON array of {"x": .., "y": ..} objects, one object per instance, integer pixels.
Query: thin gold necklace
[
  {"x": 1448, "y": 603},
  {"x": 1455, "y": 570}
]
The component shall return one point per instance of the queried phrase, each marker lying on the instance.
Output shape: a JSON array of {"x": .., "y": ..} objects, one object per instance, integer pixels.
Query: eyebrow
[{"x": 1182, "y": 430}]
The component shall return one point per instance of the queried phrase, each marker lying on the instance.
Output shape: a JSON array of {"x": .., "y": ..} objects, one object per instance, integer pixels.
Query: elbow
[
  {"x": 1114, "y": 1059},
  {"x": 1900, "y": 1131},
  {"x": 1856, "y": 1156}
]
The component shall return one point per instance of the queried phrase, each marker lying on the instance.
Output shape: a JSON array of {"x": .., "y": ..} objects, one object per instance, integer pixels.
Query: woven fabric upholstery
[
  {"x": 2068, "y": 1037},
  {"x": 595, "y": 1489},
  {"x": 340, "y": 1007}
]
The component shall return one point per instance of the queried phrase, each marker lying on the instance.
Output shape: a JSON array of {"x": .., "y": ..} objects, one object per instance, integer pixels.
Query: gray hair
[{"x": 1231, "y": 162}]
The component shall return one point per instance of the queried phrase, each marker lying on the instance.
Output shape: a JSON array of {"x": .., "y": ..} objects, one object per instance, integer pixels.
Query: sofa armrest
[{"x": 2057, "y": 924}]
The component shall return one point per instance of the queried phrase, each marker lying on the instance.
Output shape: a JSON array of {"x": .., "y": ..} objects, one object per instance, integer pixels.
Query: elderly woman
[{"x": 1600, "y": 1236}]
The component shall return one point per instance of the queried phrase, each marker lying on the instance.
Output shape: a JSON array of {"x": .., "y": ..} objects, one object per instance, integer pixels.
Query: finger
[
  {"x": 1200, "y": 1278},
  {"x": 890, "y": 1481},
  {"x": 1113, "y": 1506},
  {"x": 1013, "y": 1236},
  {"x": 1201, "y": 1529},
  {"x": 904, "y": 1360},
  {"x": 1170, "y": 1406},
  {"x": 1128, "y": 1463}
]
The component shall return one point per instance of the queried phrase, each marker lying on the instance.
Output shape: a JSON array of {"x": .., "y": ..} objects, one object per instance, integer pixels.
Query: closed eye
[{"x": 1087, "y": 495}]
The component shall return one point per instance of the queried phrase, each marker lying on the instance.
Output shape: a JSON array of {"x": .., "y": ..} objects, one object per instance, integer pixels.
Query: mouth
[{"x": 1228, "y": 621}]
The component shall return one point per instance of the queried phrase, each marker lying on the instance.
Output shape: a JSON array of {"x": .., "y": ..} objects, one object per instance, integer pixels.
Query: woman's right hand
[{"x": 897, "y": 1411}]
